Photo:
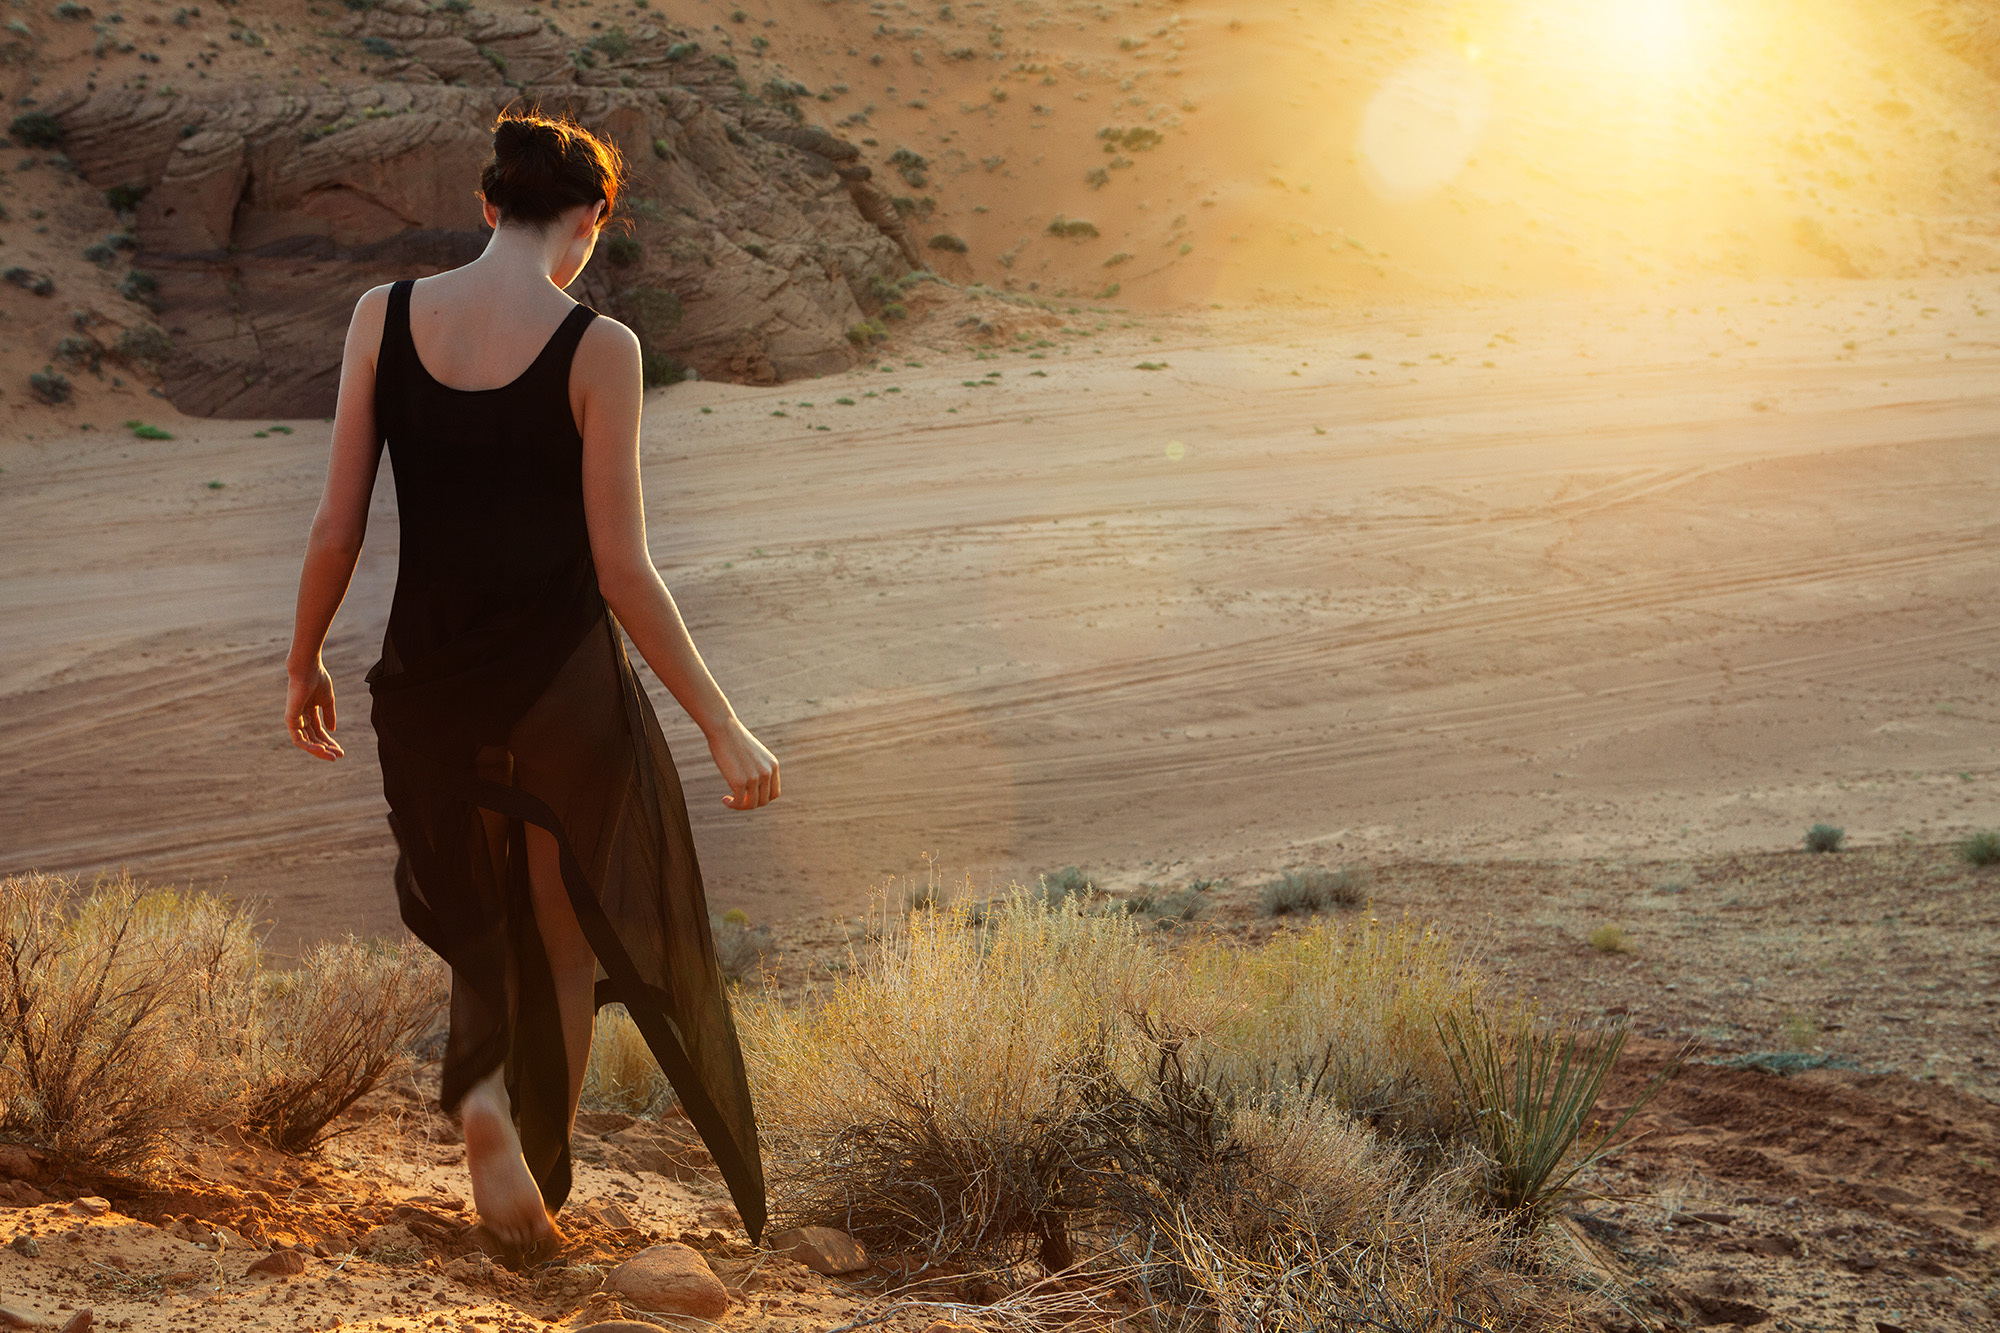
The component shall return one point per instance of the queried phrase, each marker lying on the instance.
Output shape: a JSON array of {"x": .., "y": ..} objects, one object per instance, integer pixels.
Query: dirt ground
[
  {"x": 1570, "y": 577},
  {"x": 1862, "y": 1194}
]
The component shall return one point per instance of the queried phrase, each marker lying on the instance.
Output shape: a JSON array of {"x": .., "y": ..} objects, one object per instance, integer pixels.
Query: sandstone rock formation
[{"x": 752, "y": 240}]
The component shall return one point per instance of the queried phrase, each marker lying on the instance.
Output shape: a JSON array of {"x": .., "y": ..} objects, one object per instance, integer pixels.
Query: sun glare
[{"x": 1653, "y": 35}]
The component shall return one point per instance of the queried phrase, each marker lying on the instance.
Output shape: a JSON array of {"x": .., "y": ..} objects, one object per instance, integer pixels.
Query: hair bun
[{"x": 542, "y": 166}]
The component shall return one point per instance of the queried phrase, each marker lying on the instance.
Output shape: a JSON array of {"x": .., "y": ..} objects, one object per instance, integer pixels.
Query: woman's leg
[
  {"x": 504, "y": 1192},
  {"x": 571, "y": 962}
]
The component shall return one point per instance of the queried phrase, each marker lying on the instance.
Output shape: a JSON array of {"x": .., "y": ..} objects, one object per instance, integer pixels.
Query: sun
[{"x": 1652, "y": 35}]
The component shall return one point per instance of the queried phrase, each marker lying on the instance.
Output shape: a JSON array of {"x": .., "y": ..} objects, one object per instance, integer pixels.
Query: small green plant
[
  {"x": 380, "y": 46},
  {"x": 1981, "y": 849},
  {"x": 623, "y": 251},
  {"x": 143, "y": 345},
  {"x": 1799, "y": 1031},
  {"x": 41, "y": 284},
  {"x": 1824, "y": 838},
  {"x": 1532, "y": 1091},
  {"x": 1612, "y": 939},
  {"x": 944, "y": 240},
  {"x": 1069, "y": 882},
  {"x": 1314, "y": 889},
  {"x": 51, "y": 385},
  {"x": 143, "y": 431},
  {"x": 867, "y": 333},
  {"x": 1151, "y": 365},
  {"x": 682, "y": 50},
  {"x": 1062, "y": 226},
  {"x": 35, "y": 129},
  {"x": 911, "y": 166},
  {"x": 613, "y": 42}
]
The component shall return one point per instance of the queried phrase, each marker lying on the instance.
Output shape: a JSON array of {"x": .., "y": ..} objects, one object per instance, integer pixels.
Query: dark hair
[{"x": 543, "y": 165}]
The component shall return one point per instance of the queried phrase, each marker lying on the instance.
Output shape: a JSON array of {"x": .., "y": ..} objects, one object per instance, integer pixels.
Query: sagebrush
[
  {"x": 129, "y": 1012},
  {"x": 1274, "y": 1128}
]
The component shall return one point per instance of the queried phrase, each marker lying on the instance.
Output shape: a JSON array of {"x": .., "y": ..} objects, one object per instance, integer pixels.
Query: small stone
[
  {"x": 822, "y": 1249},
  {"x": 26, "y": 1246},
  {"x": 91, "y": 1206},
  {"x": 281, "y": 1263},
  {"x": 18, "y": 1319},
  {"x": 670, "y": 1279},
  {"x": 80, "y": 1322}
]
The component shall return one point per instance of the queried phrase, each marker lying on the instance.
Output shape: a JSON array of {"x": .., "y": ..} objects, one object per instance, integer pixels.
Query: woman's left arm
[{"x": 337, "y": 530}]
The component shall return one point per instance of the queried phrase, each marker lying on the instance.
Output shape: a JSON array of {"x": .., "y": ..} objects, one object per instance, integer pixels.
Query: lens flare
[{"x": 1422, "y": 126}]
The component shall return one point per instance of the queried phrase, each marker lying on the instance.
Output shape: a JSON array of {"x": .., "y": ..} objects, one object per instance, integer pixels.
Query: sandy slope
[{"x": 1669, "y": 576}]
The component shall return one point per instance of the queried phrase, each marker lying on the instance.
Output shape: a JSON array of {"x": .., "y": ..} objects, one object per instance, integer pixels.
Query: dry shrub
[
  {"x": 332, "y": 1029},
  {"x": 97, "y": 1062},
  {"x": 622, "y": 1074},
  {"x": 1041, "y": 1078}
]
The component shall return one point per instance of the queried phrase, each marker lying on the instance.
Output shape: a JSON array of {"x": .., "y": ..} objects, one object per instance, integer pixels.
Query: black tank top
[{"x": 495, "y": 561}]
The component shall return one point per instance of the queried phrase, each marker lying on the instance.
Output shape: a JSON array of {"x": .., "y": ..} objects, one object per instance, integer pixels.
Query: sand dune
[{"x": 1270, "y": 602}]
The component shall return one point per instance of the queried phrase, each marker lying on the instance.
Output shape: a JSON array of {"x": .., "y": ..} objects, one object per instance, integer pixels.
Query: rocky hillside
[
  {"x": 244, "y": 170},
  {"x": 250, "y": 216}
]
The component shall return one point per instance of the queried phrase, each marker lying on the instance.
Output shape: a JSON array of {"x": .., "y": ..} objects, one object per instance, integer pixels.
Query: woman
[{"x": 545, "y": 851}]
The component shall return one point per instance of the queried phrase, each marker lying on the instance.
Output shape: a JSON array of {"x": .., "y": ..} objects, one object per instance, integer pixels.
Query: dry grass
[
  {"x": 97, "y": 1062},
  {"x": 128, "y": 1012},
  {"x": 333, "y": 1028},
  {"x": 1314, "y": 889},
  {"x": 1227, "y": 1125},
  {"x": 1612, "y": 939},
  {"x": 622, "y": 1075}
]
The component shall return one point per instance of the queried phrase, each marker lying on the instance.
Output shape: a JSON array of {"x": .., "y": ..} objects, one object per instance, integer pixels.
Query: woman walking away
[{"x": 545, "y": 850}]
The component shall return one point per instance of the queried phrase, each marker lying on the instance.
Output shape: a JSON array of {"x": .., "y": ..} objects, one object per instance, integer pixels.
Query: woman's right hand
[
  {"x": 750, "y": 770},
  {"x": 309, "y": 715}
]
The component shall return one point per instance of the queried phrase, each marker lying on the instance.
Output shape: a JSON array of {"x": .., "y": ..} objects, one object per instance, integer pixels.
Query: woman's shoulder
[{"x": 607, "y": 342}]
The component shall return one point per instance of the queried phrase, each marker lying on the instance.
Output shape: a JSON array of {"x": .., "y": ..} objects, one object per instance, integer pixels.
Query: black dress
[{"x": 504, "y": 698}]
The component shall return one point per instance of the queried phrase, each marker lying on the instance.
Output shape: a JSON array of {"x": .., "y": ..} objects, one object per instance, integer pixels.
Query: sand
[{"x": 1656, "y": 576}]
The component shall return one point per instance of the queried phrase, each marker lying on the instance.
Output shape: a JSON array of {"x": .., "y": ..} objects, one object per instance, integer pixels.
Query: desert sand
[{"x": 1652, "y": 577}]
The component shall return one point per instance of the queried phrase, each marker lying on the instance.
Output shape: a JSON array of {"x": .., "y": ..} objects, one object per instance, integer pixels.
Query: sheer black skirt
[{"x": 530, "y": 714}]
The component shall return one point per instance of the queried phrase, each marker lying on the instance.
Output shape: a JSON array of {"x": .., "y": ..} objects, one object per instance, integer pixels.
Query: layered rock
[{"x": 265, "y": 215}]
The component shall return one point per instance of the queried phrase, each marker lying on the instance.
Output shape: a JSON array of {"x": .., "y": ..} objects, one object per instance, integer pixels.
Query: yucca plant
[{"x": 1531, "y": 1099}]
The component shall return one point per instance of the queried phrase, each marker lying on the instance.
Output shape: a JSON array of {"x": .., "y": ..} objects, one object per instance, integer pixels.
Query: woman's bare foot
[{"x": 503, "y": 1189}]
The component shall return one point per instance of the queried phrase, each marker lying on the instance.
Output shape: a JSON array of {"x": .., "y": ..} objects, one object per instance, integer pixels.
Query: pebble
[
  {"x": 822, "y": 1249},
  {"x": 91, "y": 1206},
  {"x": 27, "y": 1246},
  {"x": 281, "y": 1263},
  {"x": 670, "y": 1279}
]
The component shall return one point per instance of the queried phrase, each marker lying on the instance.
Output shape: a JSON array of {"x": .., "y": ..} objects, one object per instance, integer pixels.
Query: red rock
[
  {"x": 80, "y": 1322},
  {"x": 19, "y": 1163},
  {"x": 281, "y": 1263},
  {"x": 670, "y": 1279},
  {"x": 91, "y": 1206},
  {"x": 822, "y": 1249}
]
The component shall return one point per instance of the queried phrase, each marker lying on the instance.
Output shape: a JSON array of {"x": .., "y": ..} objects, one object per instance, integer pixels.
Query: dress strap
[
  {"x": 397, "y": 345},
  {"x": 556, "y": 357}
]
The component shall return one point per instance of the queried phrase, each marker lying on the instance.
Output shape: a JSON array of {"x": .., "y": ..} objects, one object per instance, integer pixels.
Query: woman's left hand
[
  {"x": 309, "y": 715},
  {"x": 750, "y": 770}
]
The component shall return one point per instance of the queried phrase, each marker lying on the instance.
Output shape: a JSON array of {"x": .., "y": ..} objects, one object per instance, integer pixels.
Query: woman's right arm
[{"x": 337, "y": 530}]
